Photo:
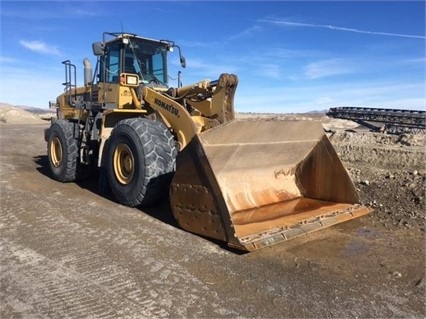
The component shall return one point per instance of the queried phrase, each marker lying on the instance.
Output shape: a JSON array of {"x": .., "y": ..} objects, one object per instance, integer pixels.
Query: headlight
[
  {"x": 129, "y": 79},
  {"x": 132, "y": 79}
]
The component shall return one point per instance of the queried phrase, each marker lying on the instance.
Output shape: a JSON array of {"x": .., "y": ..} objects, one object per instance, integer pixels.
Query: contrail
[{"x": 332, "y": 27}]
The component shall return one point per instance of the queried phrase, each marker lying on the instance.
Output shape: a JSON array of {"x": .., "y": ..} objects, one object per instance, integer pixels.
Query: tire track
[{"x": 116, "y": 271}]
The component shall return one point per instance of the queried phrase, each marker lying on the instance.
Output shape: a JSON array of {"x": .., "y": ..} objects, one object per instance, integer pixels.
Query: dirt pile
[
  {"x": 10, "y": 114},
  {"x": 389, "y": 172}
]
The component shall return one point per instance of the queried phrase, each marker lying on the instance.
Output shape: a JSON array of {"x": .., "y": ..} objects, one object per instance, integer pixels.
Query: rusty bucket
[{"x": 257, "y": 183}]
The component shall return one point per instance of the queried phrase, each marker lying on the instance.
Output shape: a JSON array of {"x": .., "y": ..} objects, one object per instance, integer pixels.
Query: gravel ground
[
  {"x": 67, "y": 252},
  {"x": 389, "y": 171}
]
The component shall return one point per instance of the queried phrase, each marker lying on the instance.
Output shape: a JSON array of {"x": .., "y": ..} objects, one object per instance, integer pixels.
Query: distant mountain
[
  {"x": 31, "y": 109},
  {"x": 317, "y": 112},
  {"x": 6, "y": 105},
  {"x": 312, "y": 113}
]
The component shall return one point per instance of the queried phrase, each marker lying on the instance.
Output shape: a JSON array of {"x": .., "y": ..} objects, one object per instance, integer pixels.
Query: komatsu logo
[{"x": 167, "y": 107}]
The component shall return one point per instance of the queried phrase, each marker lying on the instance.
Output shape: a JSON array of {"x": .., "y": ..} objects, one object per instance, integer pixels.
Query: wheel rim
[
  {"x": 56, "y": 152},
  {"x": 124, "y": 164}
]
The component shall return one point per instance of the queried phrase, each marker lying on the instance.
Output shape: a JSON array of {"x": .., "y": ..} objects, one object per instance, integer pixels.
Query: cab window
[{"x": 112, "y": 63}]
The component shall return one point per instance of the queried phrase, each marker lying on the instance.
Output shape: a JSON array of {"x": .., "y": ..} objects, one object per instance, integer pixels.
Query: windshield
[{"x": 147, "y": 59}]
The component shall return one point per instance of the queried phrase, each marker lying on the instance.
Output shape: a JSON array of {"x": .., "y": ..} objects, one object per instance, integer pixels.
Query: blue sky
[{"x": 289, "y": 56}]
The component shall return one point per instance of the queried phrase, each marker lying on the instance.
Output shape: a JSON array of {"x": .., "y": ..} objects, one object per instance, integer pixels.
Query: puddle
[
  {"x": 355, "y": 247},
  {"x": 369, "y": 233},
  {"x": 361, "y": 243}
]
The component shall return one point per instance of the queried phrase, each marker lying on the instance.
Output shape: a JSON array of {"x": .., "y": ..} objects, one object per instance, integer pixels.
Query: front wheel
[
  {"x": 141, "y": 158},
  {"x": 62, "y": 151}
]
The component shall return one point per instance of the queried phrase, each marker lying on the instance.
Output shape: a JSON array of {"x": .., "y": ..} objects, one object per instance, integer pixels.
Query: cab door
[{"x": 109, "y": 75}]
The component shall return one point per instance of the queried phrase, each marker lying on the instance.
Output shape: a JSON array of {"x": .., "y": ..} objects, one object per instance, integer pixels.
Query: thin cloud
[
  {"x": 198, "y": 44},
  {"x": 40, "y": 47},
  {"x": 84, "y": 13},
  {"x": 57, "y": 10},
  {"x": 416, "y": 60},
  {"x": 332, "y": 27},
  {"x": 277, "y": 52},
  {"x": 327, "y": 68},
  {"x": 267, "y": 70},
  {"x": 5, "y": 59},
  {"x": 246, "y": 33},
  {"x": 199, "y": 66}
]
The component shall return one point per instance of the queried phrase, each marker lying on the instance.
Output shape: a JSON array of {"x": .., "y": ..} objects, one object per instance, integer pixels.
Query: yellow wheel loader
[{"x": 249, "y": 183}]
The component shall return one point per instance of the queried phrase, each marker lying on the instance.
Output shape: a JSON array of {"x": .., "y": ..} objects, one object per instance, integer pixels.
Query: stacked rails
[{"x": 394, "y": 120}]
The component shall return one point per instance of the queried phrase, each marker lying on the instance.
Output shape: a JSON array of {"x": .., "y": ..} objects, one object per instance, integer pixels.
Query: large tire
[
  {"x": 62, "y": 151},
  {"x": 141, "y": 159}
]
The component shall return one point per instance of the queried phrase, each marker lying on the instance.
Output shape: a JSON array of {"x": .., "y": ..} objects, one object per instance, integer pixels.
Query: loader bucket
[{"x": 257, "y": 183}]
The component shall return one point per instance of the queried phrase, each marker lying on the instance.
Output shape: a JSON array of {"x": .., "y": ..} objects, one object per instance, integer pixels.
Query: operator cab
[{"x": 130, "y": 54}]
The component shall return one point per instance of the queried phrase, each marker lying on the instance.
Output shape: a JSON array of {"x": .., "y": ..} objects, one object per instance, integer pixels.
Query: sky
[{"x": 289, "y": 56}]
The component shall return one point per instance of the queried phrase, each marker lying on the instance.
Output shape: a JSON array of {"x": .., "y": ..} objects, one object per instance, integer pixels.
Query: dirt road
[{"x": 67, "y": 252}]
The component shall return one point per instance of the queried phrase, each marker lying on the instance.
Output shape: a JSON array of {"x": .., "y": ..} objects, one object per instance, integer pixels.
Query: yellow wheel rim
[
  {"x": 56, "y": 152},
  {"x": 124, "y": 164}
]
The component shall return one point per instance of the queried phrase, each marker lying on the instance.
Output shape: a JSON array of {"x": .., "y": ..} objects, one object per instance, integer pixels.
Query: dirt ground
[{"x": 67, "y": 252}]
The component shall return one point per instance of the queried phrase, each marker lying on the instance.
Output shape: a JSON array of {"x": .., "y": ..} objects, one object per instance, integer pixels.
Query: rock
[{"x": 420, "y": 283}]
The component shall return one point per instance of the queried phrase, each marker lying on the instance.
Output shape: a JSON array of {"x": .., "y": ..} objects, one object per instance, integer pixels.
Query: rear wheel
[
  {"x": 141, "y": 158},
  {"x": 62, "y": 151}
]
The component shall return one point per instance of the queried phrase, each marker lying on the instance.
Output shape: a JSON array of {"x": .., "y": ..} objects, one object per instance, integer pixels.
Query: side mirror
[
  {"x": 170, "y": 46},
  {"x": 98, "y": 48},
  {"x": 182, "y": 61}
]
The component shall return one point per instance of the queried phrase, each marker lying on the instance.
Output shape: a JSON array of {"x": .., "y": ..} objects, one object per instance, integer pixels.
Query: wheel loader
[{"x": 249, "y": 183}]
